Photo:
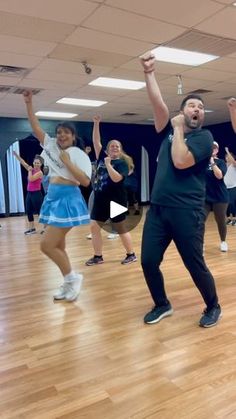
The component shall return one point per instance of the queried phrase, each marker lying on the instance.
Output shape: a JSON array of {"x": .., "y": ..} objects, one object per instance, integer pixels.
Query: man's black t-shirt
[
  {"x": 182, "y": 188},
  {"x": 216, "y": 190}
]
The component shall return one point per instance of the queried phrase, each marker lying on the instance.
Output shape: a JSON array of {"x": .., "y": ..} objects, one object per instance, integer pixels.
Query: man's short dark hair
[{"x": 190, "y": 96}]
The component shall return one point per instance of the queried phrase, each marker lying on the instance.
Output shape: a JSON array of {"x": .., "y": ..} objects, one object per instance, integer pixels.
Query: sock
[{"x": 70, "y": 277}]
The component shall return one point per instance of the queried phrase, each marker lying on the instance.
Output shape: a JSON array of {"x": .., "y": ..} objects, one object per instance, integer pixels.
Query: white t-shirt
[
  {"x": 230, "y": 177},
  {"x": 51, "y": 153}
]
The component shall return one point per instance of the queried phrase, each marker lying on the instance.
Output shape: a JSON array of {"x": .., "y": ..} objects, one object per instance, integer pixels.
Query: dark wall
[
  {"x": 132, "y": 137},
  {"x": 225, "y": 137}
]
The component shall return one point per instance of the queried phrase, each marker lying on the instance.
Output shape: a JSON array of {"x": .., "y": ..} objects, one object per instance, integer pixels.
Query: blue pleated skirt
[{"x": 64, "y": 206}]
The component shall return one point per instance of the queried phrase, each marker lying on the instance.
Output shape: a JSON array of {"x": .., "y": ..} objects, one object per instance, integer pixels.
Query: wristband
[{"x": 148, "y": 71}]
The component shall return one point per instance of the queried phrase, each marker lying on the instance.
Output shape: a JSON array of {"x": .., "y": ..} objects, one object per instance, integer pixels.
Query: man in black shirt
[{"x": 177, "y": 201}]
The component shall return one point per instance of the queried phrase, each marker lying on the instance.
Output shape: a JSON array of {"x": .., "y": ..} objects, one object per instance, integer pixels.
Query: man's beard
[{"x": 192, "y": 123}]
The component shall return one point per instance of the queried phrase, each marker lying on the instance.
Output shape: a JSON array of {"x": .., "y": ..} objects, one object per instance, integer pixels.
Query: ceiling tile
[
  {"x": 92, "y": 56},
  {"x": 170, "y": 11},
  {"x": 33, "y": 28},
  {"x": 73, "y": 12},
  {"x": 106, "y": 42},
  {"x": 215, "y": 26},
  {"x": 19, "y": 60},
  {"x": 119, "y": 22},
  {"x": 25, "y": 46}
]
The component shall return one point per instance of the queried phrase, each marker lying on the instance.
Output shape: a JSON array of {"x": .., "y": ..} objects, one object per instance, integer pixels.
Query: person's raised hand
[
  {"x": 27, "y": 94},
  {"x": 148, "y": 62},
  {"x": 231, "y": 103},
  {"x": 97, "y": 119}
]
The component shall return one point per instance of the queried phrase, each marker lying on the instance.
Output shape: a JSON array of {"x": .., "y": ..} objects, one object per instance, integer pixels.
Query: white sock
[{"x": 72, "y": 276}]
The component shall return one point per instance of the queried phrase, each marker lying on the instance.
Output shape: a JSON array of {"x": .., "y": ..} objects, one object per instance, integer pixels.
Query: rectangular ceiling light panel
[{"x": 181, "y": 56}]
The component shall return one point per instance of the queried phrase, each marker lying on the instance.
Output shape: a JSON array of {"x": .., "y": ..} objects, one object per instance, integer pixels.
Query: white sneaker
[
  {"x": 223, "y": 247},
  {"x": 112, "y": 236},
  {"x": 73, "y": 288},
  {"x": 89, "y": 236},
  {"x": 60, "y": 294},
  {"x": 69, "y": 291}
]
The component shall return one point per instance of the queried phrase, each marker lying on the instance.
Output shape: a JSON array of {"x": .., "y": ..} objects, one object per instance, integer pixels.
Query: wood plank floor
[{"x": 95, "y": 358}]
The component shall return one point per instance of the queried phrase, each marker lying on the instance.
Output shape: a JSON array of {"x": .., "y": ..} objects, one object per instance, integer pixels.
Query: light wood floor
[{"x": 95, "y": 358}]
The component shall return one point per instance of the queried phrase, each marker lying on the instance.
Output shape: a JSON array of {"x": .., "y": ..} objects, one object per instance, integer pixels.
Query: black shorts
[{"x": 101, "y": 211}]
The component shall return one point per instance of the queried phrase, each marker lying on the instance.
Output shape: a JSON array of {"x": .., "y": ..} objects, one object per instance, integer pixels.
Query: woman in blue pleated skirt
[{"x": 64, "y": 206}]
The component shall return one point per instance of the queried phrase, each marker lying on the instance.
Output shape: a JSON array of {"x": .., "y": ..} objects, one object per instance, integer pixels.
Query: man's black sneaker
[
  {"x": 158, "y": 313},
  {"x": 210, "y": 317}
]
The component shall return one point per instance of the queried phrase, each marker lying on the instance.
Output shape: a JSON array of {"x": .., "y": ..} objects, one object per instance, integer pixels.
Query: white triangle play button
[{"x": 116, "y": 209}]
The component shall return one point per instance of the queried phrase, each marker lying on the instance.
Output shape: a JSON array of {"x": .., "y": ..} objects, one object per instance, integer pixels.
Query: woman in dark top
[
  {"x": 111, "y": 169},
  {"x": 216, "y": 194}
]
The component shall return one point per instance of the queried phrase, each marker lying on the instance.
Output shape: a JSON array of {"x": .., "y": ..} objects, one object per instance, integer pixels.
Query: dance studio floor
[{"x": 95, "y": 358}]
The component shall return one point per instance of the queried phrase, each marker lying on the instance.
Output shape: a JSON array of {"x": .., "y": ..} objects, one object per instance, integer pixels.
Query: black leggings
[
  {"x": 231, "y": 210},
  {"x": 33, "y": 204},
  {"x": 219, "y": 210},
  {"x": 186, "y": 228}
]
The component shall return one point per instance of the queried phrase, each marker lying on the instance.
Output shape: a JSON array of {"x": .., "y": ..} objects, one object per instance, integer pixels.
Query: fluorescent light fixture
[
  {"x": 118, "y": 83},
  {"x": 208, "y": 110},
  {"x": 81, "y": 102},
  {"x": 181, "y": 56},
  {"x": 62, "y": 115},
  {"x": 234, "y": 4}
]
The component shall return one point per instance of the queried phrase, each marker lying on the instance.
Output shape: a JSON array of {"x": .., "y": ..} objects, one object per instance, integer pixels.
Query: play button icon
[
  {"x": 132, "y": 217},
  {"x": 116, "y": 209}
]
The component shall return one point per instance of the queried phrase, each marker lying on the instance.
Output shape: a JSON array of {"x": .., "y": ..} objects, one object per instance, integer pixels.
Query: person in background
[
  {"x": 63, "y": 206},
  {"x": 230, "y": 181},
  {"x": 131, "y": 184},
  {"x": 177, "y": 201},
  {"x": 217, "y": 197},
  {"x": 112, "y": 168},
  {"x": 34, "y": 197},
  {"x": 45, "y": 185}
]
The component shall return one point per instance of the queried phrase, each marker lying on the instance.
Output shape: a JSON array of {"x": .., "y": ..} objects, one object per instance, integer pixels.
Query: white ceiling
[{"x": 51, "y": 38}]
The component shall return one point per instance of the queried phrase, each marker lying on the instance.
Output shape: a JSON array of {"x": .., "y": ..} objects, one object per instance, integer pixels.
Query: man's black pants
[{"x": 186, "y": 228}]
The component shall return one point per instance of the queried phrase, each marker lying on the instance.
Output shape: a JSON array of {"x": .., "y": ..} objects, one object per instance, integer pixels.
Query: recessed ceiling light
[
  {"x": 234, "y": 4},
  {"x": 81, "y": 102},
  {"x": 181, "y": 56},
  {"x": 49, "y": 114},
  {"x": 118, "y": 83}
]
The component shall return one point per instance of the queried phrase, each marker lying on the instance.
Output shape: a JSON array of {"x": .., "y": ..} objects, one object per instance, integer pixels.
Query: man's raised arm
[{"x": 160, "y": 110}]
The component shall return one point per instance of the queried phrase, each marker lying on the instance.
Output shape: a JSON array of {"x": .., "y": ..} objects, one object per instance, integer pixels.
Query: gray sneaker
[{"x": 129, "y": 259}]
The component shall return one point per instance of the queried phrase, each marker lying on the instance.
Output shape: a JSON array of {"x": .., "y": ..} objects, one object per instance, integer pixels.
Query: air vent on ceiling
[
  {"x": 200, "y": 91},
  {"x": 18, "y": 90},
  {"x": 194, "y": 40},
  {"x": 8, "y": 70},
  {"x": 129, "y": 114},
  {"x": 4, "y": 89}
]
